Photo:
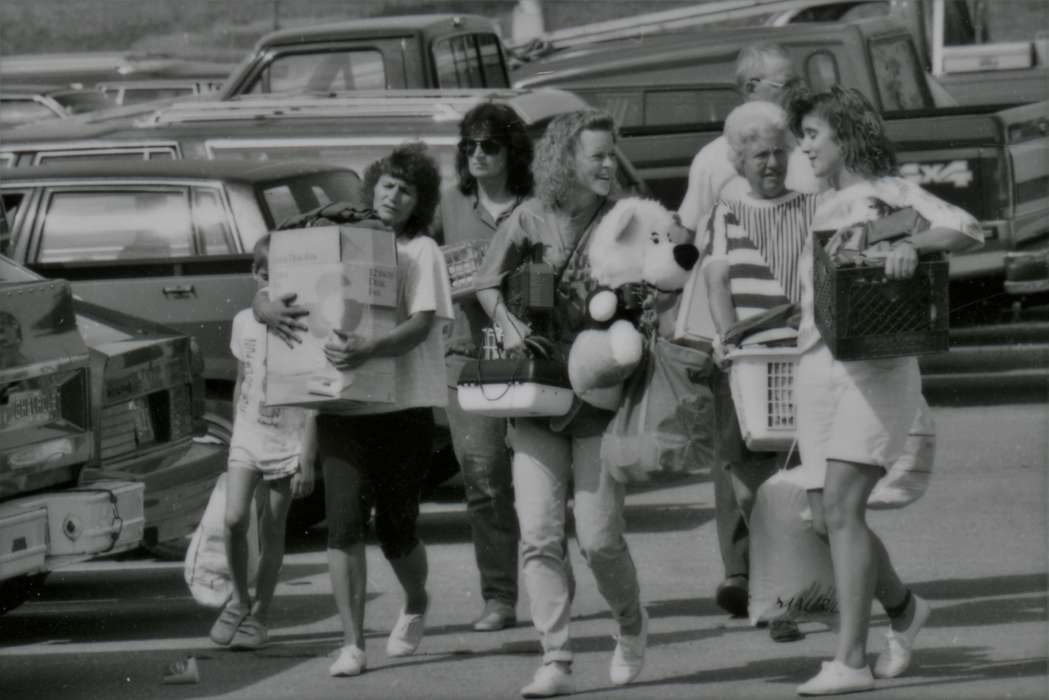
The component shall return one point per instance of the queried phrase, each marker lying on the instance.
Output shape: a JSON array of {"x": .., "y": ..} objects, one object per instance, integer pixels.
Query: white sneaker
[
  {"x": 550, "y": 680},
  {"x": 835, "y": 678},
  {"x": 897, "y": 656},
  {"x": 629, "y": 656},
  {"x": 406, "y": 634},
  {"x": 351, "y": 662}
]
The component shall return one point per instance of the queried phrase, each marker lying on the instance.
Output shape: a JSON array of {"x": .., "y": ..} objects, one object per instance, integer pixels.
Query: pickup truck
[
  {"x": 410, "y": 51},
  {"x": 98, "y": 417},
  {"x": 671, "y": 93}
]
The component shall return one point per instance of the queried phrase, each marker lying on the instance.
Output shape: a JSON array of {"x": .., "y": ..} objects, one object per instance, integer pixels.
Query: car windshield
[
  {"x": 289, "y": 197},
  {"x": 14, "y": 112},
  {"x": 83, "y": 101}
]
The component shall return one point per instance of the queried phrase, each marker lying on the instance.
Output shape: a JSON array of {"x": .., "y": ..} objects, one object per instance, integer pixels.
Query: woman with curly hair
[
  {"x": 853, "y": 417},
  {"x": 575, "y": 171},
  {"x": 366, "y": 443},
  {"x": 494, "y": 162}
]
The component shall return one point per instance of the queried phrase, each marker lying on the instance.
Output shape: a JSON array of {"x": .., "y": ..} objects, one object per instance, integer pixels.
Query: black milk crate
[{"x": 862, "y": 315}]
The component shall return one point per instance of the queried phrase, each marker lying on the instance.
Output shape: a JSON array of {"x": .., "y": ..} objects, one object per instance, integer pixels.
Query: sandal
[
  {"x": 781, "y": 630},
  {"x": 251, "y": 634},
  {"x": 226, "y": 625}
]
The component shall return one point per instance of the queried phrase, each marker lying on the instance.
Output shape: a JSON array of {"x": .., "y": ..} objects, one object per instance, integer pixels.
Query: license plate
[
  {"x": 143, "y": 425},
  {"x": 28, "y": 409}
]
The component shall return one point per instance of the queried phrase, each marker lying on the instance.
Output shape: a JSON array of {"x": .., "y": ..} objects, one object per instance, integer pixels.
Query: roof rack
[{"x": 440, "y": 105}]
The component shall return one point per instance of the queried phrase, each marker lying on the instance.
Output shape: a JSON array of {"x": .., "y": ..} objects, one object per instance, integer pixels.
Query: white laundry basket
[{"x": 762, "y": 383}]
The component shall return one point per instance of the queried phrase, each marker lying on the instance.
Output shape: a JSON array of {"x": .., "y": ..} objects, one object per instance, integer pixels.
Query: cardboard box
[{"x": 347, "y": 277}]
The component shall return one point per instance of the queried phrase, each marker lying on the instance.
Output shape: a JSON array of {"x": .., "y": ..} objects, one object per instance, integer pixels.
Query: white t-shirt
[
  {"x": 836, "y": 209},
  {"x": 422, "y": 285},
  {"x": 272, "y": 434},
  {"x": 712, "y": 176}
]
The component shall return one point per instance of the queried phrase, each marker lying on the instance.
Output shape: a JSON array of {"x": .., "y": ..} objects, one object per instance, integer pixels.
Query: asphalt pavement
[{"x": 975, "y": 546}]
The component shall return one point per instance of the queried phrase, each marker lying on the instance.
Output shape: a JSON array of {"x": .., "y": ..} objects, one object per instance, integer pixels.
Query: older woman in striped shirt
[{"x": 754, "y": 239}]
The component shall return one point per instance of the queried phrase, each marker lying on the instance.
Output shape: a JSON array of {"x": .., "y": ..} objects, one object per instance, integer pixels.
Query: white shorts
[
  {"x": 857, "y": 412},
  {"x": 270, "y": 469}
]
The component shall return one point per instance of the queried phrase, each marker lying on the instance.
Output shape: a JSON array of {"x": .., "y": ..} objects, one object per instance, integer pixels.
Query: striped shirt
[{"x": 762, "y": 240}]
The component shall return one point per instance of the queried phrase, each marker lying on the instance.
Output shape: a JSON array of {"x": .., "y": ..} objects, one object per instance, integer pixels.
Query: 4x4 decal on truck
[{"x": 956, "y": 172}]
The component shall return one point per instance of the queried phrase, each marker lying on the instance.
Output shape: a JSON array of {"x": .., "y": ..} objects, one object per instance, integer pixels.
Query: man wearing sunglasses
[
  {"x": 764, "y": 72},
  {"x": 494, "y": 167}
]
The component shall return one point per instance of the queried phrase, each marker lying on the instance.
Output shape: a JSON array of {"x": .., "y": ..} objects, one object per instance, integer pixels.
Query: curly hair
[
  {"x": 554, "y": 164},
  {"x": 502, "y": 124},
  {"x": 412, "y": 163},
  {"x": 749, "y": 122},
  {"x": 856, "y": 125}
]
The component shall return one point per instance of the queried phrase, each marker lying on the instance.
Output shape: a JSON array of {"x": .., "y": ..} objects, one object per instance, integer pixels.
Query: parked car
[
  {"x": 20, "y": 104},
  {"x": 671, "y": 94},
  {"x": 99, "y": 412},
  {"x": 168, "y": 240}
]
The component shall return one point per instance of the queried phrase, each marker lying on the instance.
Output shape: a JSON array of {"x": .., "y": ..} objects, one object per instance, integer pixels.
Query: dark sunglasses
[{"x": 488, "y": 146}]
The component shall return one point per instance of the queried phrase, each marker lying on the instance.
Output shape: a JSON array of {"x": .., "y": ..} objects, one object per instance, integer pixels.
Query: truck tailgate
[{"x": 956, "y": 154}]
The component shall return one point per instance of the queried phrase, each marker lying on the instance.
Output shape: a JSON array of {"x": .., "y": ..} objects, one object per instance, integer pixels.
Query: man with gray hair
[{"x": 764, "y": 73}]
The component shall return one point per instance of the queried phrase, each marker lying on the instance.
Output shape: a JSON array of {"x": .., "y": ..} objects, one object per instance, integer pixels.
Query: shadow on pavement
[{"x": 949, "y": 588}]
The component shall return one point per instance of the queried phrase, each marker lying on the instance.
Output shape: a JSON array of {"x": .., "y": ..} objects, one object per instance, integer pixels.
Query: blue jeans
[
  {"x": 480, "y": 447},
  {"x": 546, "y": 466}
]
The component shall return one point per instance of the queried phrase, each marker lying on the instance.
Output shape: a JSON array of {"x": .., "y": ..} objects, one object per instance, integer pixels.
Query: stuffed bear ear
[{"x": 625, "y": 224}]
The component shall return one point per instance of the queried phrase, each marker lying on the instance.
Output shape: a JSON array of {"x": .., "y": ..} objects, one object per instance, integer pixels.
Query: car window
[
  {"x": 83, "y": 101},
  {"x": 10, "y": 202},
  {"x": 688, "y": 106},
  {"x": 128, "y": 225},
  {"x": 495, "y": 74},
  {"x": 330, "y": 71},
  {"x": 290, "y": 197},
  {"x": 355, "y": 154},
  {"x": 211, "y": 222},
  {"x": 135, "y": 95},
  {"x": 460, "y": 61},
  {"x": 821, "y": 71},
  {"x": 898, "y": 74},
  {"x": 21, "y": 111},
  {"x": 100, "y": 154}
]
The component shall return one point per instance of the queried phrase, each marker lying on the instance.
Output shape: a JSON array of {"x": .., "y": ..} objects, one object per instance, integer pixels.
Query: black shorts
[{"x": 379, "y": 460}]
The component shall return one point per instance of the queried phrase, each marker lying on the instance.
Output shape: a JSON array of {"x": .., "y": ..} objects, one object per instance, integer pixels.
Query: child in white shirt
[{"x": 275, "y": 444}]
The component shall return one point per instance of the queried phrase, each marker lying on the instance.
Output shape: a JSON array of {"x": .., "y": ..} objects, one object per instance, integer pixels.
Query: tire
[{"x": 15, "y": 591}]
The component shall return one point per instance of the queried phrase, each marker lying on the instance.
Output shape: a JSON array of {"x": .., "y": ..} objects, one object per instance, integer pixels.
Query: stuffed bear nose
[{"x": 686, "y": 255}]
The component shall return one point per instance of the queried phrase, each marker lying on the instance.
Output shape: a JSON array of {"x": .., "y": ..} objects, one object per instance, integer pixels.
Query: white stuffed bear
[{"x": 638, "y": 241}]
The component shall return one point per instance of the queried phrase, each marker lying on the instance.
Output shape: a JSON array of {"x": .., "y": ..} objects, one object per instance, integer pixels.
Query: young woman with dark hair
[
  {"x": 853, "y": 417},
  {"x": 494, "y": 162}
]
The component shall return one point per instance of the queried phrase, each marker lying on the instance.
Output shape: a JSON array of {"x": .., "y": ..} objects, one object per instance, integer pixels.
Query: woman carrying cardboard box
[{"x": 385, "y": 445}]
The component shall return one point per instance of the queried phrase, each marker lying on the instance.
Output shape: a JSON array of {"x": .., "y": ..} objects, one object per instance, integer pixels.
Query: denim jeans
[
  {"x": 480, "y": 447},
  {"x": 545, "y": 463}
]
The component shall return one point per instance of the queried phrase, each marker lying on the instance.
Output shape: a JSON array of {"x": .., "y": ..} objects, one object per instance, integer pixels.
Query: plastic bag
[
  {"x": 790, "y": 566},
  {"x": 665, "y": 421},
  {"x": 206, "y": 569},
  {"x": 908, "y": 478}
]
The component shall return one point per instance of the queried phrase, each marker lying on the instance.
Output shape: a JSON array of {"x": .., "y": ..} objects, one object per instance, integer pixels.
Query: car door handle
[{"x": 180, "y": 290}]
